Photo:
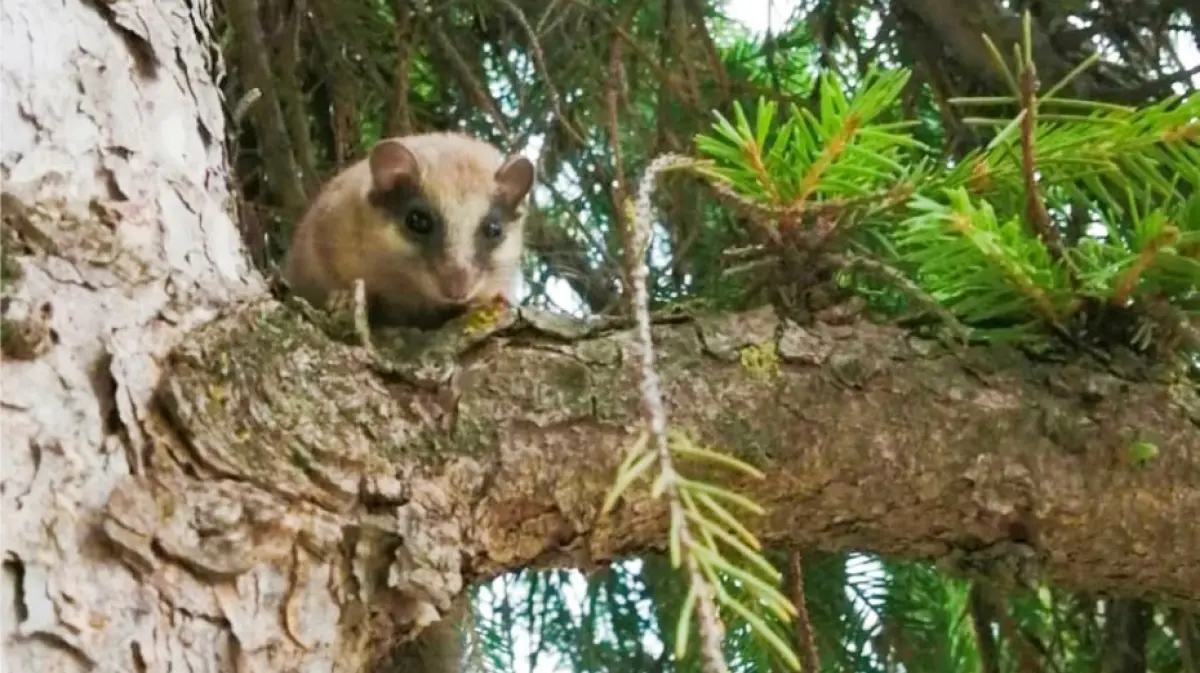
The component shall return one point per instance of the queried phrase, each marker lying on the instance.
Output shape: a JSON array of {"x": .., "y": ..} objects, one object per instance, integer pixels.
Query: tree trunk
[
  {"x": 195, "y": 477},
  {"x": 117, "y": 224}
]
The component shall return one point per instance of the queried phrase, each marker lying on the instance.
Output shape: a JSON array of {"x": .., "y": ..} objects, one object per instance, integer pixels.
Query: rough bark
[
  {"x": 194, "y": 477},
  {"x": 112, "y": 127},
  {"x": 958, "y": 25}
]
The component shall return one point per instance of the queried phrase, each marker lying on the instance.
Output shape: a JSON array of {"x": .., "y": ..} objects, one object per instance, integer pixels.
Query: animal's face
[{"x": 456, "y": 208}]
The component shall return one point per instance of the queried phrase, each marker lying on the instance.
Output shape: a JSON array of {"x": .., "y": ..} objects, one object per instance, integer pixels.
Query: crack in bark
[{"x": 140, "y": 48}]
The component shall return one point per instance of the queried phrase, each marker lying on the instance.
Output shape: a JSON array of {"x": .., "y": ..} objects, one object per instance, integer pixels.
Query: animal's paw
[
  {"x": 340, "y": 305},
  {"x": 347, "y": 314}
]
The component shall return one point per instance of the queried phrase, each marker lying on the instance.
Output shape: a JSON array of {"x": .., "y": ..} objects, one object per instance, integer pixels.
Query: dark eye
[
  {"x": 419, "y": 222},
  {"x": 493, "y": 228}
]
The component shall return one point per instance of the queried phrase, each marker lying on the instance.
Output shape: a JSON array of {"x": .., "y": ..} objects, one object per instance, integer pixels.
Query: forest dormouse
[{"x": 433, "y": 224}]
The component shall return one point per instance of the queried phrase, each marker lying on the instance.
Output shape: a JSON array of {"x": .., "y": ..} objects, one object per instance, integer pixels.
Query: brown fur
[{"x": 356, "y": 228}]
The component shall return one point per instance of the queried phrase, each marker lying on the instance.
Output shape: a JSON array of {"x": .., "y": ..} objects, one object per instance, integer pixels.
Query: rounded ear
[
  {"x": 392, "y": 164},
  {"x": 514, "y": 180}
]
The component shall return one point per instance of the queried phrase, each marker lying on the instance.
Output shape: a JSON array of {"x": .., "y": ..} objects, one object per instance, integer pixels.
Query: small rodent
[{"x": 433, "y": 224}]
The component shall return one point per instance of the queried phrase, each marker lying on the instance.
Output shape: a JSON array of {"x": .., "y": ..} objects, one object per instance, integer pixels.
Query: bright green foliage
[
  {"x": 983, "y": 269},
  {"x": 924, "y": 616},
  {"x": 1126, "y": 179},
  {"x": 869, "y": 616},
  {"x": 1136, "y": 171},
  {"x": 707, "y": 531},
  {"x": 836, "y": 155}
]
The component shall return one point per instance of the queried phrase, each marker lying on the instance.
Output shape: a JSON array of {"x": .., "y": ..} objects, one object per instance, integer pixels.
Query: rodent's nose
[{"x": 455, "y": 282}]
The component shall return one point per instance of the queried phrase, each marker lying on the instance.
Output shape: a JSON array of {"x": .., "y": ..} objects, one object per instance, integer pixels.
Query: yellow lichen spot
[{"x": 762, "y": 360}]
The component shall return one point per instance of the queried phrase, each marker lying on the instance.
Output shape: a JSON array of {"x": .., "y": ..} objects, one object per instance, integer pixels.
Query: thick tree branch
[
  {"x": 871, "y": 439},
  {"x": 961, "y": 25}
]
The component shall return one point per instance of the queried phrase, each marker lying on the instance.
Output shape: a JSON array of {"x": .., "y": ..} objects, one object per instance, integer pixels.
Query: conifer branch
[
  {"x": 539, "y": 59},
  {"x": 712, "y": 631},
  {"x": 1035, "y": 207},
  {"x": 699, "y": 524}
]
